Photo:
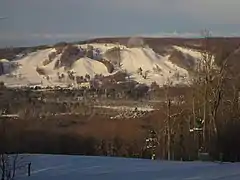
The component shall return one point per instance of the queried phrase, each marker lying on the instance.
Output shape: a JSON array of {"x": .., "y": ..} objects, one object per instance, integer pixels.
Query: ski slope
[
  {"x": 60, "y": 167},
  {"x": 85, "y": 66},
  {"x": 131, "y": 60},
  {"x": 147, "y": 59},
  {"x": 190, "y": 52}
]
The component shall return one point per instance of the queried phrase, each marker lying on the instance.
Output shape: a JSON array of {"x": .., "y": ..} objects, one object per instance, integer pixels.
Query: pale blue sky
[{"x": 31, "y": 22}]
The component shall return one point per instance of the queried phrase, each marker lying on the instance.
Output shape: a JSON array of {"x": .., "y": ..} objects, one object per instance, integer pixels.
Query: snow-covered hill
[
  {"x": 52, "y": 66},
  {"x": 59, "y": 167}
]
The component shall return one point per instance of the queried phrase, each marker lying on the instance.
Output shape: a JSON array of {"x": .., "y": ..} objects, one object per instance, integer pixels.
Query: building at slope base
[
  {"x": 86, "y": 85},
  {"x": 5, "y": 66},
  {"x": 1, "y": 69}
]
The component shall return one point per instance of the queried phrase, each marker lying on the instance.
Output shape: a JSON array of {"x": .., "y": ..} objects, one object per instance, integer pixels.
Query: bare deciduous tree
[
  {"x": 145, "y": 74},
  {"x": 9, "y": 163},
  {"x": 208, "y": 94}
]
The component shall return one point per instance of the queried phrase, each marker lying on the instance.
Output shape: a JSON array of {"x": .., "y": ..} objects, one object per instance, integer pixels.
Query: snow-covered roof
[{"x": 4, "y": 60}]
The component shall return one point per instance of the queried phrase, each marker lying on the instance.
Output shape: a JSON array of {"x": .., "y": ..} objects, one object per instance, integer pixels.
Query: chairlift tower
[
  {"x": 151, "y": 143},
  {"x": 198, "y": 129}
]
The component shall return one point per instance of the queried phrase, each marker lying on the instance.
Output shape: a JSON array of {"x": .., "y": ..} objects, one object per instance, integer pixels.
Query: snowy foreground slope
[
  {"x": 58, "y": 167},
  {"x": 158, "y": 67}
]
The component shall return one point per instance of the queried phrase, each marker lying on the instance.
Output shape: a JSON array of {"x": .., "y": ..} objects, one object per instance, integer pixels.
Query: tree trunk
[
  {"x": 204, "y": 134},
  {"x": 169, "y": 130},
  {"x": 3, "y": 167}
]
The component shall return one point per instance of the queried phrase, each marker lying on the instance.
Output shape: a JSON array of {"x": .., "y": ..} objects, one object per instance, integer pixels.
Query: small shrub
[
  {"x": 40, "y": 71},
  {"x": 69, "y": 55},
  {"x": 2, "y": 85},
  {"x": 52, "y": 55},
  {"x": 109, "y": 65}
]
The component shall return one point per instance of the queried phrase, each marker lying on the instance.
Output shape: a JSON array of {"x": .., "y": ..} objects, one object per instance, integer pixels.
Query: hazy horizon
[{"x": 31, "y": 22}]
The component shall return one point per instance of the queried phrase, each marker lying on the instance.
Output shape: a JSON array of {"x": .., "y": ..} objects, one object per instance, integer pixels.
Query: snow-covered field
[
  {"x": 59, "y": 167},
  {"x": 121, "y": 108},
  {"x": 131, "y": 60}
]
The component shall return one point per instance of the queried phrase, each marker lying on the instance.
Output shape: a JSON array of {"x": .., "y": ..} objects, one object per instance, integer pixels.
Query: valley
[{"x": 128, "y": 99}]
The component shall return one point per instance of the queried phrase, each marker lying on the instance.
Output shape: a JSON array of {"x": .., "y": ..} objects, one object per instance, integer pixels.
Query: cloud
[
  {"x": 20, "y": 39},
  {"x": 1, "y": 17},
  {"x": 19, "y": 36},
  {"x": 82, "y": 36},
  {"x": 59, "y": 35},
  {"x": 173, "y": 34},
  {"x": 209, "y": 11},
  {"x": 215, "y": 11},
  {"x": 70, "y": 20}
]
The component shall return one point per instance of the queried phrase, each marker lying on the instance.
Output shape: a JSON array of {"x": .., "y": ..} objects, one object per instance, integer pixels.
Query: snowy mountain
[{"x": 61, "y": 65}]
